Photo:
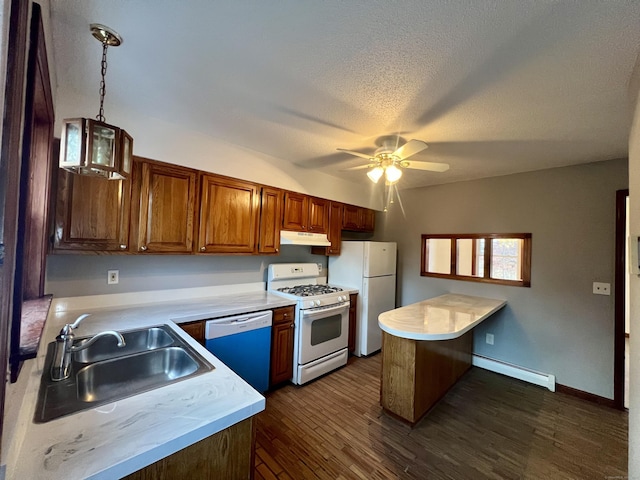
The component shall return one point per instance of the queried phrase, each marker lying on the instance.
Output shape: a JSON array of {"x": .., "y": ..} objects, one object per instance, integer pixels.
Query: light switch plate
[{"x": 601, "y": 288}]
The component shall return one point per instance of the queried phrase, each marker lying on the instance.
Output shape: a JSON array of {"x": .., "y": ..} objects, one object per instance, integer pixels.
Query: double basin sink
[{"x": 103, "y": 372}]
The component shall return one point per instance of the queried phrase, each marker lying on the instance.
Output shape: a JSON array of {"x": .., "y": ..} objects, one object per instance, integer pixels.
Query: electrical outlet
[
  {"x": 490, "y": 338},
  {"x": 320, "y": 268},
  {"x": 601, "y": 288},
  {"x": 113, "y": 277}
]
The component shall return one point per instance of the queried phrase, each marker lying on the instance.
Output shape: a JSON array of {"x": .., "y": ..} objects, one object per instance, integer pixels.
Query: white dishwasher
[{"x": 243, "y": 343}]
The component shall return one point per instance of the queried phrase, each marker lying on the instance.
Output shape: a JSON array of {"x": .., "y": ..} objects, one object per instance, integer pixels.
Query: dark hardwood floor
[{"x": 487, "y": 427}]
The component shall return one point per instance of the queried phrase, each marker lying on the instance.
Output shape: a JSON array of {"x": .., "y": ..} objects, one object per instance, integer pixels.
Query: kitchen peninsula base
[
  {"x": 426, "y": 348},
  {"x": 418, "y": 373}
]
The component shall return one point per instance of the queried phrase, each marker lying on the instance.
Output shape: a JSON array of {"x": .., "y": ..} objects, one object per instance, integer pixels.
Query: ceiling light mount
[{"x": 93, "y": 147}]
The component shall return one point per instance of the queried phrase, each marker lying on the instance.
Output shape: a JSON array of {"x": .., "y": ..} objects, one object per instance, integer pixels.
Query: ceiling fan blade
[
  {"x": 357, "y": 154},
  {"x": 430, "y": 166},
  {"x": 410, "y": 148},
  {"x": 359, "y": 167}
]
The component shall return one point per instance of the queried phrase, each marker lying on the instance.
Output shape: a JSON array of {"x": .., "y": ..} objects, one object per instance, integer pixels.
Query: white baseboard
[{"x": 537, "y": 378}]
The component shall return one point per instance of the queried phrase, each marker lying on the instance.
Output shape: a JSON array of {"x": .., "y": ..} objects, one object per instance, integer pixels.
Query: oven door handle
[{"x": 312, "y": 313}]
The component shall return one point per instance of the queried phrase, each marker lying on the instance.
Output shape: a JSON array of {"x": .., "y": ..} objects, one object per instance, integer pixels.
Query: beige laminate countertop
[
  {"x": 440, "y": 318},
  {"x": 119, "y": 438}
]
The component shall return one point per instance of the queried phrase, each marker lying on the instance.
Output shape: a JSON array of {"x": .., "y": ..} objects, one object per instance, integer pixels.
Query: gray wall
[
  {"x": 79, "y": 275},
  {"x": 557, "y": 325}
]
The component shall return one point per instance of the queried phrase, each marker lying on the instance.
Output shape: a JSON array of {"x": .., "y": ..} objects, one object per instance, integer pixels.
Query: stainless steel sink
[
  {"x": 102, "y": 373},
  {"x": 136, "y": 341}
]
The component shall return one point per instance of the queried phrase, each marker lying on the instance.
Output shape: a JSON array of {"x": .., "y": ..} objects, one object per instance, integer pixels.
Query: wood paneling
[
  {"x": 488, "y": 427},
  {"x": 270, "y": 220},
  {"x": 163, "y": 218},
  {"x": 228, "y": 215},
  {"x": 416, "y": 374},
  {"x": 226, "y": 455},
  {"x": 10, "y": 165}
]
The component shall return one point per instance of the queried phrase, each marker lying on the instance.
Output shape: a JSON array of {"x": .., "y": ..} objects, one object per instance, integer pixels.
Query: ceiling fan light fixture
[
  {"x": 392, "y": 174},
  {"x": 375, "y": 174}
]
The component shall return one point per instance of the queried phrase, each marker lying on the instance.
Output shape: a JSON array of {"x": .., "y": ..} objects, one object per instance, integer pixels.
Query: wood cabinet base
[
  {"x": 227, "y": 454},
  {"x": 418, "y": 373}
]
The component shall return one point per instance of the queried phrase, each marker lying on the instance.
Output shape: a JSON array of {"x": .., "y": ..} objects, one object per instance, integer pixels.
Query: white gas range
[{"x": 321, "y": 321}]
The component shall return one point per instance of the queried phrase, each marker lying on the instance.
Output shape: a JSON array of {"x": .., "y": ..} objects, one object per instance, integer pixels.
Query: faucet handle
[{"x": 76, "y": 324}]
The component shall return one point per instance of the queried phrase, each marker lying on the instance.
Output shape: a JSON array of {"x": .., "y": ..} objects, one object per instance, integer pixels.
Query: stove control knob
[
  {"x": 340, "y": 298},
  {"x": 318, "y": 303},
  {"x": 310, "y": 303}
]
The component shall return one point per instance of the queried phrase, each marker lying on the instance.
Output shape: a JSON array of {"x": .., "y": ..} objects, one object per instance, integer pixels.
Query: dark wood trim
[
  {"x": 619, "y": 283},
  {"x": 10, "y": 159},
  {"x": 590, "y": 397},
  {"x": 525, "y": 257}
]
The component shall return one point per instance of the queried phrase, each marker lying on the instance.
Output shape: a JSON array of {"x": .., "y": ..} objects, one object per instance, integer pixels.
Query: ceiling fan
[{"x": 390, "y": 158}]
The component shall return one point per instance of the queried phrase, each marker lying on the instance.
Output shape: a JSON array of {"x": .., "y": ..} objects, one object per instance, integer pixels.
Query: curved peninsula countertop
[
  {"x": 441, "y": 318},
  {"x": 426, "y": 348}
]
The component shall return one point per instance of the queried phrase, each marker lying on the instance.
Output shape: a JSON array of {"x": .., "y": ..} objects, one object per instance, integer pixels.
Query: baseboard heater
[{"x": 537, "y": 378}]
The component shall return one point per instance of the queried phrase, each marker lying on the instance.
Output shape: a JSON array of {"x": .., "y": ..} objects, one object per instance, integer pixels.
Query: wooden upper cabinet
[
  {"x": 318, "y": 215},
  {"x": 358, "y": 219},
  {"x": 270, "y": 220},
  {"x": 334, "y": 232},
  {"x": 92, "y": 213},
  {"x": 163, "y": 218},
  {"x": 229, "y": 211},
  {"x": 305, "y": 214},
  {"x": 296, "y": 212}
]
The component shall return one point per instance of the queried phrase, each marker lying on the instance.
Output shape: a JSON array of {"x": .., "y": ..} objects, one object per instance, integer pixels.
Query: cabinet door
[
  {"x": 352, "y": 217},
  {"x": 165, "y": 213},
  {"x": 296, "y": 212},
  {"x": 318, "y": 215},
  {"x": 270, "y": 220},
  {"x": 195, "y": 330},
  {"x": 353, "y": 310},
  {"x": 368, "y": 220},
  {"x": 228, "y": 215},
  {"x": 334, "y": 232},
  {"x": 282, "y": 332},
  {"x": 92, "y": 213}
]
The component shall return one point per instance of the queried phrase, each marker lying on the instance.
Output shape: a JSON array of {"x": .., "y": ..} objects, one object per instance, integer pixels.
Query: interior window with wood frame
[{"x": 501, "y": 258}]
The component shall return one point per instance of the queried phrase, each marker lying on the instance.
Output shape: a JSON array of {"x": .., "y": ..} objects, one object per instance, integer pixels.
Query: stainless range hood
[{"x": 288, "y": 237}]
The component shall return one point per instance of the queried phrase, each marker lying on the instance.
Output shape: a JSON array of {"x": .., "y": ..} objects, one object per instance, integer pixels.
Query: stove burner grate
[{"x": 309, "y": 290}]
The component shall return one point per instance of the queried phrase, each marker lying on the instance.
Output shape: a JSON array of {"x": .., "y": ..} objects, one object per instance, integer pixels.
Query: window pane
[
  {"x": 469, "y": 252},
  {"x": 506, "y": 258},
  {"x": 439, "y": 257}
]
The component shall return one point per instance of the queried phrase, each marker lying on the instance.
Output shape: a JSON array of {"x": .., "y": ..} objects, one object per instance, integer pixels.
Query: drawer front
[{"x": 282, "y": 315}]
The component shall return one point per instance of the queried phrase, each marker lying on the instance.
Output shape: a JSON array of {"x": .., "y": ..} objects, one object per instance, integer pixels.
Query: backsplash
[{"x": 80, "y": 275}]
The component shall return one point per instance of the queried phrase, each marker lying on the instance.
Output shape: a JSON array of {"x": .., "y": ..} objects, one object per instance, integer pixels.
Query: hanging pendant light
[{"x": 93, "y": 147}]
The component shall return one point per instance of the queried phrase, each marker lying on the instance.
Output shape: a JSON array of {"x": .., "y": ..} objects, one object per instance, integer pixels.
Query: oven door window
[{"x": 326, "y": 329}]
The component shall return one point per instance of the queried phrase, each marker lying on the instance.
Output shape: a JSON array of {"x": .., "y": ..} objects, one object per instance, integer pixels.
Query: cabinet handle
[
  {"x": 202, "y": 249},
  {"x": 143, "y": 248},
  {"x": 123, "y": 247}
]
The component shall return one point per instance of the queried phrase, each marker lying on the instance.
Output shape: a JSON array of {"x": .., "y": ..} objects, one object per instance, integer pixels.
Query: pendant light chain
[{"x": 103, "y": 85}]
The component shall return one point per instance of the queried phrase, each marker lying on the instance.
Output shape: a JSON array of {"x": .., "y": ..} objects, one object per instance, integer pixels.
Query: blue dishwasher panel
[{"x": 247, "y": 353}]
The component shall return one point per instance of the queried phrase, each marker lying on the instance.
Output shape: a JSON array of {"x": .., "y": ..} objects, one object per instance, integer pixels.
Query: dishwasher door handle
[{"x": 222, "y": 327}]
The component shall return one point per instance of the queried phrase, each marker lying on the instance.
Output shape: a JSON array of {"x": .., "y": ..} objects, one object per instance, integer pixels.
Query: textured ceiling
[{"x": 494, "y": 87}]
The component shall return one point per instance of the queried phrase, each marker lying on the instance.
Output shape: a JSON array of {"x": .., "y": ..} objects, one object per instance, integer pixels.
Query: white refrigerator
[{"x": 371, "y": 268}]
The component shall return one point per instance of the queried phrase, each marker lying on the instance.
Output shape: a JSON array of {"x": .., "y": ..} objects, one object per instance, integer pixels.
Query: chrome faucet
[{"x": 61, "y": 366}]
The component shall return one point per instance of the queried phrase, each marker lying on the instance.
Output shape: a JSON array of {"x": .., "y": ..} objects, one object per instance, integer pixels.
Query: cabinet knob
[
  {"x": 143, "y": 248},
  {"x": 202, "y": 249},
  {"x": 285, "y": 315},
  {"x": 123, "y": 247},
  {"x": 277, "y": 250},
  {"x": 292, "y": 325}
]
